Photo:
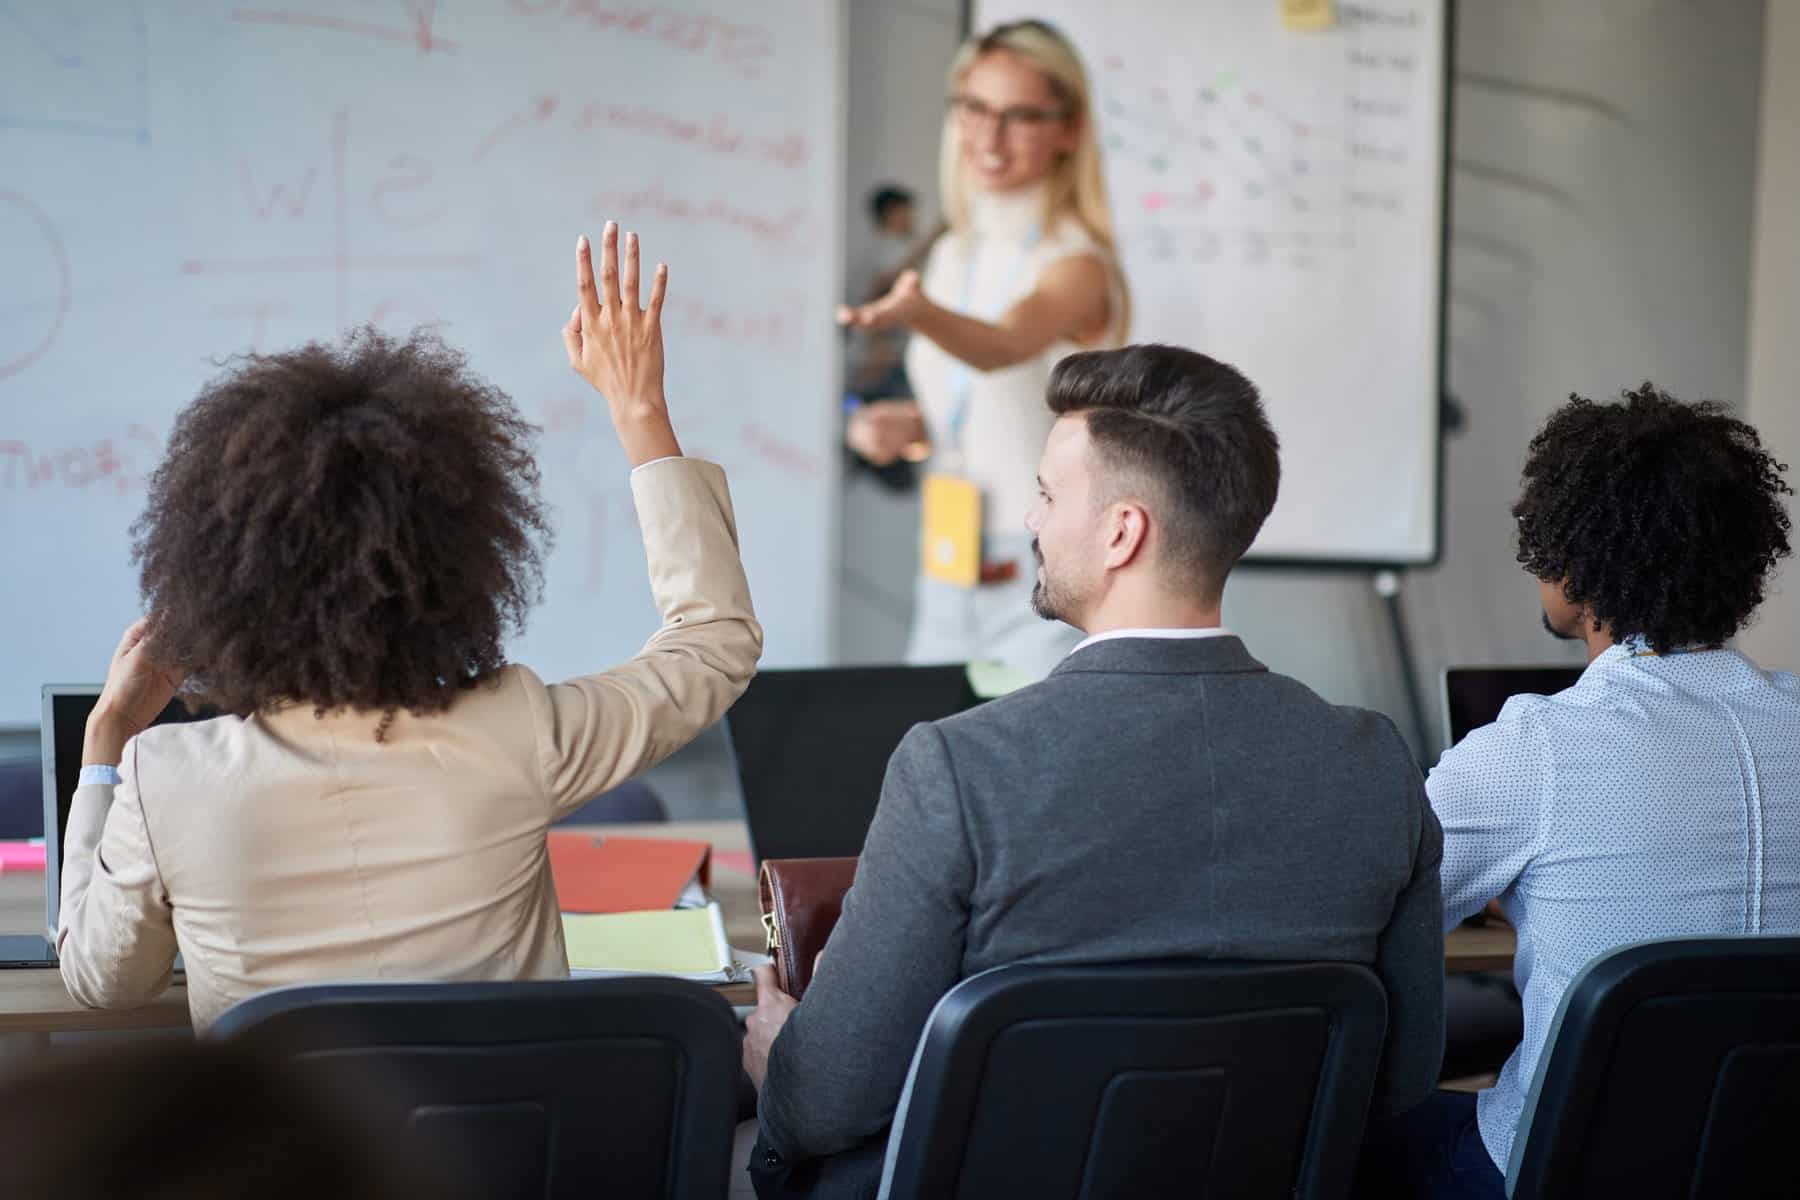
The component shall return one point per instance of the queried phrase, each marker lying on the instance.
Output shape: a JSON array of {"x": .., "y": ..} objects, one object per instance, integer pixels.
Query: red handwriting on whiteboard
[
  {"x": 741, "y": 49},
  {"x": 399, "y": 198},
  {"x": 541, "y": 110},
  {"x": 259, "y": 312},
  {"x": 717, "y": 134},
  {"x": 780, "y": 453},
  {"x": 400, "y": 201},
  {"x": 120, "y": 467},
  {"x": 290, "y": 196},
  {"x": 776, "y": 230},
  {"x": 12, "y": 202},
  {"x": 419, "y": 16},
  {"x": 776, "y": 327}
]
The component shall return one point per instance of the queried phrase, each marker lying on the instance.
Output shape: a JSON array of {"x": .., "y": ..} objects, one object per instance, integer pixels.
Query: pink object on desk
[
  {"x": 21, "y": 856},
  {"x": 734, "y": 860}
]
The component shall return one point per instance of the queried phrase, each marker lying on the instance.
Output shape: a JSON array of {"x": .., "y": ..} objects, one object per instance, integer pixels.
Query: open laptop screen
[
  {"x": 812, "y": 746},
  {"x": 1474, "y": 696},
  {"x": 66, "y": 709}
]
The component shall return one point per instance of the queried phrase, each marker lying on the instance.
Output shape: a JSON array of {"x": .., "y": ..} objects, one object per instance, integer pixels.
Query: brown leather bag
[{"x": 801, "y": 900}]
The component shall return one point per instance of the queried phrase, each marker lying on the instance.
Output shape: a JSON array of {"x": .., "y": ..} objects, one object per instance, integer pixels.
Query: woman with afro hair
[
  {"x": 333, "y": 551},
  {"x": 1658, "y": 797}
]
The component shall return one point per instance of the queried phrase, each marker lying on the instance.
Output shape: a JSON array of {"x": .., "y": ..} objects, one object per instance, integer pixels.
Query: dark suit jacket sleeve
[
  {"x": 837, "y": 1068},
  {"x": 1410, "y": 961}
]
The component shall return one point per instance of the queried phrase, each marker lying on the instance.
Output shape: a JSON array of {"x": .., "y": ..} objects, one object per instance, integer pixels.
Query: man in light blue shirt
[{"x": 1660, "y": 795}]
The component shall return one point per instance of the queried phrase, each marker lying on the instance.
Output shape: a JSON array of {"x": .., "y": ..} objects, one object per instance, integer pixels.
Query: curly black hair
[
  {"x": 354, "y": 525},
  {"x": 1662, "y": 519}
]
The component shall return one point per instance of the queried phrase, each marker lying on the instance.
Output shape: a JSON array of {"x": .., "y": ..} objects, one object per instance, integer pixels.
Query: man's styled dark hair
[
  {"x": 1192, "y": 429},
  {"x": 352, "y": 525},
  {"x": 1661, "y": 518},
  {"x": 885, "y": 197}
]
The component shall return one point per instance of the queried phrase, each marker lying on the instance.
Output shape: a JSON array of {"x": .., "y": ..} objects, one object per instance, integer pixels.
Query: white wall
[{"x": 1774, "y": 366}]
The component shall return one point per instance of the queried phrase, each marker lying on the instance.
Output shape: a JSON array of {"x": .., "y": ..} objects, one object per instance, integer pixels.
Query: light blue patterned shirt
[{"x": 1657, "y": 797}]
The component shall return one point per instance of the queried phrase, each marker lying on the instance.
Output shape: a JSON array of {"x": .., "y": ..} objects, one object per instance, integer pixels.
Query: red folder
[{"x": 600, "y": 874}]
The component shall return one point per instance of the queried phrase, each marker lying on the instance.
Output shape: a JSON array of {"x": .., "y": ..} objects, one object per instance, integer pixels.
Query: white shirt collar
[{"x": 1172, "y": 635}]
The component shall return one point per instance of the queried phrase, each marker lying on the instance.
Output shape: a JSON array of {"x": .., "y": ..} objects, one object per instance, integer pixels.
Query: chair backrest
[
  {"x": 614, "y": 1087},
  {"x": 1672, "y": 1068},
  {"x": 632, "y": 801},
  {"x": 1141, "y": 1080}
]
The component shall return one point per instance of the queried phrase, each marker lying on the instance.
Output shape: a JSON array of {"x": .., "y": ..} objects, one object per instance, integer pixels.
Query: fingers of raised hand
[
  {"x": 659, "y": 285},
  {"x": 609, "y": 268},
  {"x": 628, "y": 276},
  {"x": 571, "y": 336},
  {"x": 134, "y": 633},
  {"x": 588, "y": 304}
]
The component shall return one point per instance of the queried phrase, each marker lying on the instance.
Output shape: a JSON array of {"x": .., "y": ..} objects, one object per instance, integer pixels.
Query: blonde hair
[{"x": 1077, "y": 185}]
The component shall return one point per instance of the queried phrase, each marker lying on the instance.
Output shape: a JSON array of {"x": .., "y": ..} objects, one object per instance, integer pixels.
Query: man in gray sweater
[{"x": 1161, "y": 795}]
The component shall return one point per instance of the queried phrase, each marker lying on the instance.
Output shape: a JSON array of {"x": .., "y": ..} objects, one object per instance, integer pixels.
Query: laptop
[
  {"x": 1473, "y": 696},
  {"x": 66, "y": 709},
  {"x": 812, "y": 746}
]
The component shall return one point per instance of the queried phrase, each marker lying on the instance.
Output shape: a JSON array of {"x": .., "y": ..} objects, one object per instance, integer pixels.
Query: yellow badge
[
  {"x": 1307, "y": 15},
  {"x": 950, "y": 537}
]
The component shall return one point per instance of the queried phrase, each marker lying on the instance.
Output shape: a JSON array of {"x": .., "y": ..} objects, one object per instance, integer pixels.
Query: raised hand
[
  {"x": 137, "y": 689},
  {"x": 617, "y": 346},
  {"x": 898, "y": 307}
]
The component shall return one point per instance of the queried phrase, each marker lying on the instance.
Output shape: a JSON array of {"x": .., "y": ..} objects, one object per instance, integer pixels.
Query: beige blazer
[{"x": 290, "y": 848}]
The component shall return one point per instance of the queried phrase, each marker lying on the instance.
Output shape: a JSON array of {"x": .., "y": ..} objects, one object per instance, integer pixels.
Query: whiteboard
[
  {"x": 1279, "y": 198},
  {"x": 184, "y": 181}
]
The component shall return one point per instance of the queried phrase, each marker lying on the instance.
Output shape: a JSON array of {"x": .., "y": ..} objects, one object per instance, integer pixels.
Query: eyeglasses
[{"x": 974, "y": 114}]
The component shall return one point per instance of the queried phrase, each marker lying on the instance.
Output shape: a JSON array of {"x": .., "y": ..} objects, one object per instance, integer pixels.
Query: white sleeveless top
[{"x": 981, "y": 271}]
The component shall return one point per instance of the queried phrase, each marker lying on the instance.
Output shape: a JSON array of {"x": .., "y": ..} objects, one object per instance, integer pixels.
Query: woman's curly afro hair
[
  {"x": 354, "y": 525},
  {"x": 1661, "y": 518}
]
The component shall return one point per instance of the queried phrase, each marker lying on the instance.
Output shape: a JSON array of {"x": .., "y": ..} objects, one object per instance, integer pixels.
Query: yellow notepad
[{"x": 686, "y": 942}]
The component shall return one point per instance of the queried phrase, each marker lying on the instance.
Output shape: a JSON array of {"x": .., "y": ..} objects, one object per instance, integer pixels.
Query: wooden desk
[{"x": 32, "y": 1000}]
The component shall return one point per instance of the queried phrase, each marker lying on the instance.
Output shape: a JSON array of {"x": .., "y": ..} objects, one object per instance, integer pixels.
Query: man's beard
[
  {"x": 1044, "y": 599},
  {"x": 1550, "y": 629}
]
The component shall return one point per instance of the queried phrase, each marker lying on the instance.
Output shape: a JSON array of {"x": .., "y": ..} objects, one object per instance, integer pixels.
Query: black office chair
[
  {"x": 1671, "y": 1069},
  {"x": 1141, "y": 1080},
  {"x": 632, "y": 801},
  {"x": 609, "y": 1087}
]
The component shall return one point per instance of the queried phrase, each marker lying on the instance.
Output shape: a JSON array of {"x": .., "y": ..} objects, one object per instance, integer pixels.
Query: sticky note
[{"x": 1307, "y": 15}]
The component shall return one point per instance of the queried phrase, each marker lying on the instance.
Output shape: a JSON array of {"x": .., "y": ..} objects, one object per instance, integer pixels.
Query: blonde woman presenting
[{"x": 1026, "y": 274}]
